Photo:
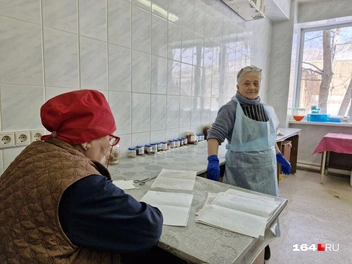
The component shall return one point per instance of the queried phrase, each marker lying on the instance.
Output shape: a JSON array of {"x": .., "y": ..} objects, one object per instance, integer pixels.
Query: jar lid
[{"x": 131, "y": 148}]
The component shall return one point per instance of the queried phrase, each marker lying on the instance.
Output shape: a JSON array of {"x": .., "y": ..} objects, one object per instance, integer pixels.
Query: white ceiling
[{"x": 274, "y": 13}]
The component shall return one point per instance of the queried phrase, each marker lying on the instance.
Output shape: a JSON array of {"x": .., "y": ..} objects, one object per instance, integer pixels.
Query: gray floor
[{"x": 315, "y": 214}]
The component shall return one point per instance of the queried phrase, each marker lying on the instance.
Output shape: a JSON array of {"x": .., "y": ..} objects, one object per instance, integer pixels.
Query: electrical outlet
[
  {"x": 22, "y": 138},
  {"x": 36, "y": 134},
  {"x": 7, "y": 139}
]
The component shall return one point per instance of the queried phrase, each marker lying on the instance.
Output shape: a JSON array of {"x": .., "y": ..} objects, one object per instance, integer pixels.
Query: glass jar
[
  {"x": 201, "y": 137},
  {"x": 147, "y": 149},
  {"x": 154, "y": 149},
  {"x": 160, "y": 146},
  {"x": 140, "y": 150},
  {"x": 192, "y": 138},
  {"x": 164, "y": 146},
  {"x": 131, "y": 153},
  {"x": 173, "y": 144},
  {"x": 114, "y": 158},
  {"x": 185, "y": 141}
]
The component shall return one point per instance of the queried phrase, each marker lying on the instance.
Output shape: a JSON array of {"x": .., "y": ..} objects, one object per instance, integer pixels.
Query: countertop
[
  {"x": 286, "y": 133},
  {"x": 192, "y": 157},
  {"x": 195, "y": 243}
]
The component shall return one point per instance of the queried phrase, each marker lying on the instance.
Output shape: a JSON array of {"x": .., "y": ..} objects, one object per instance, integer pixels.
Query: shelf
[{"x": 340, "y": 124}]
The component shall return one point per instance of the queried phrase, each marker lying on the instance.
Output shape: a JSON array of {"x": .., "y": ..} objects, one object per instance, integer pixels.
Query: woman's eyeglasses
[{"x": 113, "y": 140}]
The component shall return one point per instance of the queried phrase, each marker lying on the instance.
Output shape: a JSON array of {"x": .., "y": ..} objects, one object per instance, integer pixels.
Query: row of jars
[
  {"x": 191, "y": 138},
  {"x": 154, "y": 148}
]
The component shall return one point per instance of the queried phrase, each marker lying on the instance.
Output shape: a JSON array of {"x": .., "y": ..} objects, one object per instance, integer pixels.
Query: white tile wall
[
  {"x": 61, "y": 58},
  {"x": 119, "y": 22},
  {"x": 26, "y": 10},
  {"x": 165, "y": 66},
  {"x": 119, "y": 68},
  {"x": 61, "y": 15},
  {"x": 93, "y": 19},
  {"x": 20, "y": 52},
  {"x": 93, "y": 64}
]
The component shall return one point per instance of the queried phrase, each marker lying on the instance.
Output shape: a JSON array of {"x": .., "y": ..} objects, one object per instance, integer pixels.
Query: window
[{"x": 325, "y": 69}]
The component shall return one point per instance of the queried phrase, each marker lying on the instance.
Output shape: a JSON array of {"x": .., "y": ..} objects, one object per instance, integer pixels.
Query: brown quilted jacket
[{"x": 30, "y": 192}]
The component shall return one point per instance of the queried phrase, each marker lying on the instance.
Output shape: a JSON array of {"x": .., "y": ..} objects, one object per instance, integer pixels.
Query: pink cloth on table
[{"x": 336, "y": 142}]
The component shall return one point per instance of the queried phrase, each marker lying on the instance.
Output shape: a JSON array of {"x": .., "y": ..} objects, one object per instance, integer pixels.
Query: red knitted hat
[{"x": 77, "y": 117}]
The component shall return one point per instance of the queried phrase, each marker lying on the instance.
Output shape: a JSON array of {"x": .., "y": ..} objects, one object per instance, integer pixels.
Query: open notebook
[{"x": 238, "y": 211}]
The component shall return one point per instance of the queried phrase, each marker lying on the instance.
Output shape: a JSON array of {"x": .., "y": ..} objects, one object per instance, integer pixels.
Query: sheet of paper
[
  {"x": 175, "y": 207},
  {"x": 124, "y": 185},
  {"x": 242, "y": 201},
  {"x": 210, "y": 198},
  {"x": 175, "y": 179},
  {"x": 244, "y": 204},
  {"x": 236, "y": 221},
  {"x": 248, "y": 202},
  {"x": 250, "y": 195}
]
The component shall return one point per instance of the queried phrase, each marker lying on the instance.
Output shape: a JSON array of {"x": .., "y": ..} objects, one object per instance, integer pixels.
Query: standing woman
[{"x": 250, "y": 128}]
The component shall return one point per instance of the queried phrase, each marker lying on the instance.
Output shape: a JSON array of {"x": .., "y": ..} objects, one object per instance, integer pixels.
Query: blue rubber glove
[
  {"x": 285, "y": 165},
  {"x": 213, "y": 171}
]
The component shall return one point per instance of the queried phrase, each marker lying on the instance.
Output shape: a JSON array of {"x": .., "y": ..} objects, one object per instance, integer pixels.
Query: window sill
[{"x": 337, "y": 124}]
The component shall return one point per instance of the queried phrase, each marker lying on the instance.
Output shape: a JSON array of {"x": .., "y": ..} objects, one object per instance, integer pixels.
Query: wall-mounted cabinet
[{"x": 247, "y": 9}]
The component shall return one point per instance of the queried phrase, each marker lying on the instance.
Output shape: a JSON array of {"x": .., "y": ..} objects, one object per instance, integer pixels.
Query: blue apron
[{"x": 251, "y": 156}]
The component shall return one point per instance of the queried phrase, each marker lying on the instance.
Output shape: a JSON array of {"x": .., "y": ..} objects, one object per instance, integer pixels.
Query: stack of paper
[
  {"x": 175, "y": 207},
  {"x": 175, "y": 179},
  {"x": 238, "y": 211}
]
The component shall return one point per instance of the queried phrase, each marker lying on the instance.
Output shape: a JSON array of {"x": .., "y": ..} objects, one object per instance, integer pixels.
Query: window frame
[{"x": 302, "y": 31}]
